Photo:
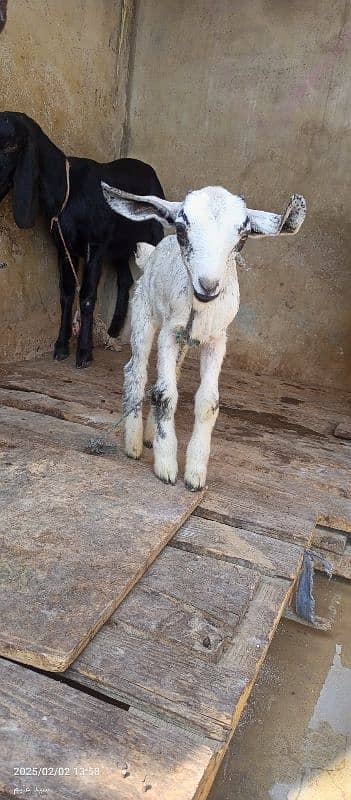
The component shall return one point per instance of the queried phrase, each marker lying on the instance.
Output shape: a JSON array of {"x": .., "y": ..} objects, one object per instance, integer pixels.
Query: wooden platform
[
  {"x": 76, "y": 535},
  {"x": 171, "y": 670}
]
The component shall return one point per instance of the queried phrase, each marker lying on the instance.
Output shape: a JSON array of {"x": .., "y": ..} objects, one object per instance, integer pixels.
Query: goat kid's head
[
  {"x": 19, "y": 168},
  {"x": 210, "y": 224}
]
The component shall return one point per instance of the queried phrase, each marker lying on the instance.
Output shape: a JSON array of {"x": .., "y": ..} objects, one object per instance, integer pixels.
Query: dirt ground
[{"x": 294, "y": 739}]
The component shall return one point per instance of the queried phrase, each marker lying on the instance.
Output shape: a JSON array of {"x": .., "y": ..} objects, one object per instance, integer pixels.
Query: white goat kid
[{"x": 189, "y": 292}]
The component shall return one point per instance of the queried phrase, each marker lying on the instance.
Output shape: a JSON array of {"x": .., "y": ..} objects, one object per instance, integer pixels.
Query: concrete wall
[
  {"x": 256, "y": 96},
  {"x": 61, "y": 63}
]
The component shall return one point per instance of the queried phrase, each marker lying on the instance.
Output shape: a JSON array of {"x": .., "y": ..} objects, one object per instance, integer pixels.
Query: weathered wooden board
[
  {"x": 267, "y": 400},
  {"x": 188, "y": 641},
  {"x": 76, "y": 747},
  {"x": 267, "y": 555},
  {"x": 273, "y": 435},
  {"x": 77, "y": 531},
  {"x": 70, "y": 410}
]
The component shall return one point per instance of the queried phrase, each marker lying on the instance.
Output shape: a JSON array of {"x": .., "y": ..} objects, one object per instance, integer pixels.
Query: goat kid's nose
[{"x": 209, "y": 287}]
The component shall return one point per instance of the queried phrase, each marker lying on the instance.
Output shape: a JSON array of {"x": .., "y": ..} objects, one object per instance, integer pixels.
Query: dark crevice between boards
[
  {"x": 236, "y": 560},
  {"x": 329, "y": 529},
  {"x": 248, "y": 525},
  {"x": 61, "y": 678}
]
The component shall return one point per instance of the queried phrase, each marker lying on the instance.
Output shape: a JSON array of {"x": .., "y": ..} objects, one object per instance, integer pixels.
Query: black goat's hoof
[
  {"x": 61, "y": 352},
  {"x": 83, "y": 360},
  {"x": 114, "y": 330}
]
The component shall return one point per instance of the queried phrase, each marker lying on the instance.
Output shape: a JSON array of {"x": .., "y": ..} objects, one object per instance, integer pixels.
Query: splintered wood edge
[{"x": 52, "y": 660}]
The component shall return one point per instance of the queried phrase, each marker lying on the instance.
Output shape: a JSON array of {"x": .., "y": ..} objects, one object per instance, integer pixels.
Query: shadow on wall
[{"x": 3, "y": 13}]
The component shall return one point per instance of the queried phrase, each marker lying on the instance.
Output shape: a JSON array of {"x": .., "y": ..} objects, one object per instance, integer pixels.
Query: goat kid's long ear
[
  {"x": 25, "y": 185},
  {"x": 264, "y": 223},
  {"x": 139, "y": 208}
]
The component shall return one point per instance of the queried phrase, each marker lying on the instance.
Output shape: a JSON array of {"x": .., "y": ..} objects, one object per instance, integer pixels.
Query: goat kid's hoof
[
  {"x": 134, "y": 452},
  {"x": 148, "y": 443},
  {"x": 83, "y": 359},
  {"x": 61, "y": 352},
  {"x": 193, "y": 487},
  {"x": 167, "y": 473},
  {"x": 195, "y": 480}
]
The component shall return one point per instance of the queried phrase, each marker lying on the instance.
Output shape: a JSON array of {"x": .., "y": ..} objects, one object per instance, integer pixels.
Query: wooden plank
[
  {"x": 273, "y": 400},
  {"x": 254, "y": 508},
  {"x": 156, "y": 650},
  {"x": 321, "y": 461},
  {"x": 301, "y": 476},
  {"x": 77, "y": 532},
  {"x": 264, "y": 400},
  {"x": 50, "y": 726},
  {"x": 220, "y": 589},
  {"x": 311, "y": 483},
  {"x": 21, "y": 426},
  {"x": 341, "y": 564},
  {"x": 251, "y": 483},
  {"x": 327, "y": 539},
  {"x": 58, "y": 408},
  {"x": 268, "y": 555}
]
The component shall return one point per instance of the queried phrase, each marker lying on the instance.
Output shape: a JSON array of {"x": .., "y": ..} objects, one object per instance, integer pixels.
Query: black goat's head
[{"x": 19, "y": 166}]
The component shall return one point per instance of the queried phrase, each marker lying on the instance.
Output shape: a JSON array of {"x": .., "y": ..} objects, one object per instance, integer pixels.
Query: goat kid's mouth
[{"x": 205, "y": 298}]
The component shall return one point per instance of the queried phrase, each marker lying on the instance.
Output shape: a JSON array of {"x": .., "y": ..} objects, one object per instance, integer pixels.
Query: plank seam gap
[
  {"x": 60, "y": 678},
  {"x": 238, "y": 522},
  {"x": 242, "y": 562}
]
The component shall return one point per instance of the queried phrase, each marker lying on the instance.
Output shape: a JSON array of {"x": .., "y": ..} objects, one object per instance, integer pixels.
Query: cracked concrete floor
[{"x": 294, "y": 739}]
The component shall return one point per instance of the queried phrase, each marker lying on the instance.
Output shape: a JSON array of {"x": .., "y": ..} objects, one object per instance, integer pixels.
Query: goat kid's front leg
[
  {"x": 135, "y": 377},
  {"x": 150, "y": 427},
  {"x": 206, "y": 413},
  {"x": 164, "y": 400},
  {"x": 87, "y": 300}
]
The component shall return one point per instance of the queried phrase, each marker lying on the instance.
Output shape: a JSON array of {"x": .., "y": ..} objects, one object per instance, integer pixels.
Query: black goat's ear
[{"x": 25, "y": 184}]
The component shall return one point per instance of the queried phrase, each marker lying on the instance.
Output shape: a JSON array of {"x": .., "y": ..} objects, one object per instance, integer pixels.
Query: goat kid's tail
[{"x": 143, "y": 253}]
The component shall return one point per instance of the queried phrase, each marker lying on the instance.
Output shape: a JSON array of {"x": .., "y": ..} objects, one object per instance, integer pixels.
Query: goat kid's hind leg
[
  {"x": 135, "y": 377},
  {"x": 164, "y": 400},
  {"x": 67, "y": 292},
  {"x": 206, "y": 413}
]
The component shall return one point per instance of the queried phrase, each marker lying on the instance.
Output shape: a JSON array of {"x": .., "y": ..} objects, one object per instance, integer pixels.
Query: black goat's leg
[
  {"x": 124, "y": 283},
  {"x": 87, "y": 299},
  {"x": 67, "y": 291}
]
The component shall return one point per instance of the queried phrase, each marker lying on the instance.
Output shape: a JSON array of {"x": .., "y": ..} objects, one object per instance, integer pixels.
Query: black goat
[{"x": 35, "y": 169}]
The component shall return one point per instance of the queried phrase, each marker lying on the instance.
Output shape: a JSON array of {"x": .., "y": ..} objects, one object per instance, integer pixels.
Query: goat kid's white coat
[{"x": 188, "y": 293}]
